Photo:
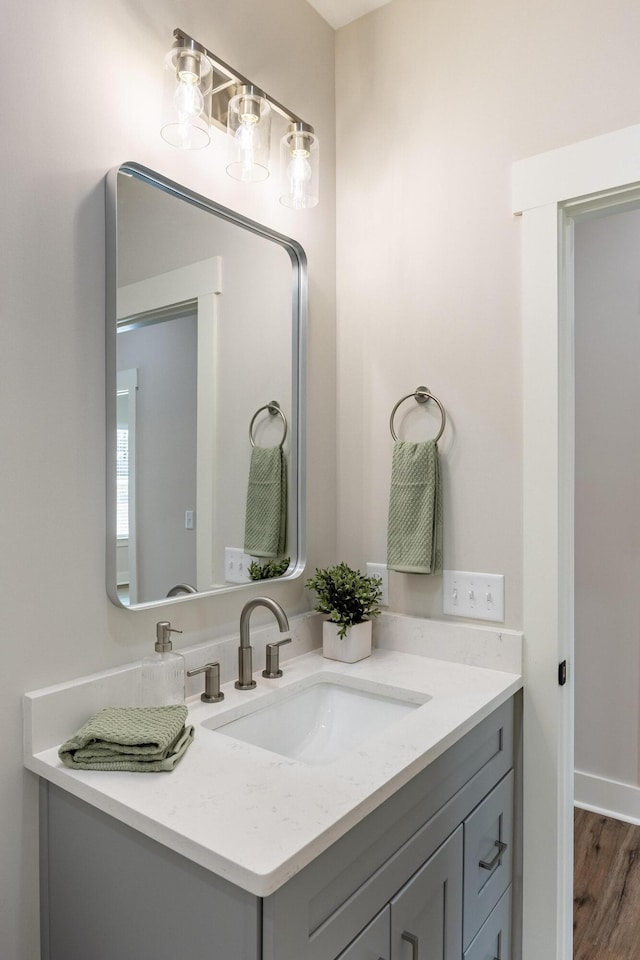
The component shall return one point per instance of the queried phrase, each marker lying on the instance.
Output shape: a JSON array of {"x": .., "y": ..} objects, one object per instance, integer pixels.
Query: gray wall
[{"x": 429, "y": 254}]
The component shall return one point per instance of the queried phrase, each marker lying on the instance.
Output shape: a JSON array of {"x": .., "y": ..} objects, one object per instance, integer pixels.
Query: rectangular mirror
[{"x": 205, "y": 338}]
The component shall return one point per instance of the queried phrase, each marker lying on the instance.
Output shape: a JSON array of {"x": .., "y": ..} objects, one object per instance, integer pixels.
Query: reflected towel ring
[
  {"x": 274, "y": 409},
  {"x": 422, "y": 395}
]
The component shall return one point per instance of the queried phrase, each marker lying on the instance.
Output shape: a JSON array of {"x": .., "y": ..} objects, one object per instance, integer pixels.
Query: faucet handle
[
  {"x": 273, "y": 659},
  {"x": 211, "y": 672}
]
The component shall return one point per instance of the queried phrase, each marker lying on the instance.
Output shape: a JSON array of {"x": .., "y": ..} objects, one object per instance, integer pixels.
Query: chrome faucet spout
[{"x": 245, "y": 679}]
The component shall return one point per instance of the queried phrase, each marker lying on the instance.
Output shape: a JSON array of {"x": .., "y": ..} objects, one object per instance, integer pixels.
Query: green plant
[
  {"x": 347, "y": 595},
  {"x": 268, "y": 569}
]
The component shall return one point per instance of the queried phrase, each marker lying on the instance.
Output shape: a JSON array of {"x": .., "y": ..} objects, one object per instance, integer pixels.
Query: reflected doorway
[{"x": 607, "y": 584}]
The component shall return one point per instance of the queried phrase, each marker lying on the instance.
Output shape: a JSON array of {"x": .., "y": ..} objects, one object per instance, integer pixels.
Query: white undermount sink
[{"x": 320, "y": 722}]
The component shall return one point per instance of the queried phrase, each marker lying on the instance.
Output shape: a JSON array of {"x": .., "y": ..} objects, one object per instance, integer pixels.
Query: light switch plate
[
  {"x": 380, "y": 570},
  {"x": 476, "y": 595}
]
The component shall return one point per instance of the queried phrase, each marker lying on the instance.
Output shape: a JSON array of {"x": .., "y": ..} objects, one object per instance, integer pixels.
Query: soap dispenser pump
[{"x": 163, "y": 672}]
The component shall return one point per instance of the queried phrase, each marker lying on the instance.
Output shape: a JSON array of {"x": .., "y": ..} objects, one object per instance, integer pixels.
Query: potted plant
[
  {"x": 268, "y": 569},
  {"x": 351, "y": 599}
]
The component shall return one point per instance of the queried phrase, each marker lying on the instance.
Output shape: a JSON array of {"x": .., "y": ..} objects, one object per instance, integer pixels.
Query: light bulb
[
  {"x": 245, "y": 137},
  {"x": 188, "y": 98},
  {"x": 299, "y": 175}
]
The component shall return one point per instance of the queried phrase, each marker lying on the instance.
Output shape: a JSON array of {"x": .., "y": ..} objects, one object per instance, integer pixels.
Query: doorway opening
[{"x": 607, "y": 575}]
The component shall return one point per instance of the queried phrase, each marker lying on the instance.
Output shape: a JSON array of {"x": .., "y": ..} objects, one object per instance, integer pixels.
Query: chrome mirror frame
[{"x": 298, "y": 381}]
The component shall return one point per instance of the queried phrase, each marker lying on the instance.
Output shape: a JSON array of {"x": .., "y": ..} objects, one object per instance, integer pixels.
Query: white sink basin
[{"x": 320, "y": 722}]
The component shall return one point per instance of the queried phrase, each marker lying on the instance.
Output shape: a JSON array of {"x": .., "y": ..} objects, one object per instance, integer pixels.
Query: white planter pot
[{"x": 355, "y": 646}]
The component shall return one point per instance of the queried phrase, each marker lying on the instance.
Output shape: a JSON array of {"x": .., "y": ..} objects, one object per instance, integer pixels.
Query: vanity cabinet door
[
  {"x": 373, "y": 942},
  {"x": 493, "y": 942},
  {"x": 488, "y": 844},
  {"x": 426, "y": 915}
]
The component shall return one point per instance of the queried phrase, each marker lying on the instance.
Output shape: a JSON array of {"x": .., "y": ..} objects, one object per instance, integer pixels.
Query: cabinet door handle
[
  {"x": 496, "y": 858},
  {"x": 413, "y": 940}
]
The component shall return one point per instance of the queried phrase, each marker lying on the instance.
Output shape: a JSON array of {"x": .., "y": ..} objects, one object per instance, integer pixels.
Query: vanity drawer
[
  {"x": 493, "y": 942},
  {"x": 488, "y": 845}
]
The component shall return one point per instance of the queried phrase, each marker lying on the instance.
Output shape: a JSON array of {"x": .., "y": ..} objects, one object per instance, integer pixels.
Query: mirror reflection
[{"x": 204, "y": 344}]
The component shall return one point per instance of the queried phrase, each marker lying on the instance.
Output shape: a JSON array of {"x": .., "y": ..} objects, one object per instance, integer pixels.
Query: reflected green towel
[
  {"x": 414, "y": 542},
  {"x": 144, "y": 739},
  {"x": 265, "y": 531}
]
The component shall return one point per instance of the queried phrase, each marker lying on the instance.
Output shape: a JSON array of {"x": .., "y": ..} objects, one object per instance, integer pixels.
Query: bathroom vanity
[{"x": 399, "y": 849}]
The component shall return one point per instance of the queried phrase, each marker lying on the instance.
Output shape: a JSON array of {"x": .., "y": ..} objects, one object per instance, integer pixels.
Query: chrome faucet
[{"x": 245, "y": 679}]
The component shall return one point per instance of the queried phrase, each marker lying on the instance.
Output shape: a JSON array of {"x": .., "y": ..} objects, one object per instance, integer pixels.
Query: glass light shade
[
  {"x": 299, "y": 167},
  {"x": 187, "y": 99},
  {"x": 249, "y": 135}
]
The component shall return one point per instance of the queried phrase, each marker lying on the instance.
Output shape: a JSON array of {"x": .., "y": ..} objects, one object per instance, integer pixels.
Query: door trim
[{"x": 549, "y": 191}]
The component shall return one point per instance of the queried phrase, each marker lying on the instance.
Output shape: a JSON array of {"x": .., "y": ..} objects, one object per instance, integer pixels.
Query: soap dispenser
[{"x": 163, "y": 671}]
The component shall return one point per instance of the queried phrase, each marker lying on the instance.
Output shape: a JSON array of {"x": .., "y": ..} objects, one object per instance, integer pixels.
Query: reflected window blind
[{"x": 122, "y": 484}]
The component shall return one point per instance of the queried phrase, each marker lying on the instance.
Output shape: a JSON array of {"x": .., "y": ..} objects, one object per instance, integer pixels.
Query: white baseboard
[{"x": 607, "y": 797}]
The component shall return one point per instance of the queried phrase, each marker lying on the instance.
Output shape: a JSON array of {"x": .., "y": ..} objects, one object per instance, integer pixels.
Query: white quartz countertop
[{"x": 257, "y": 818}]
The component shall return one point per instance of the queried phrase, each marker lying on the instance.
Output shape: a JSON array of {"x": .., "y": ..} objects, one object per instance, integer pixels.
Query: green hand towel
[
  {"x": 139, "y": 739},
  {"x": 414, "y": 542},
  {"x": 265, "y": 532}
]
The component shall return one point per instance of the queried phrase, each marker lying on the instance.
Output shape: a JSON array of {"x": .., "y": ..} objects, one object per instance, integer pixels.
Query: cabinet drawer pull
[
  {"x": 413, "y": 940},
  {"x": 496, "y": 858}
]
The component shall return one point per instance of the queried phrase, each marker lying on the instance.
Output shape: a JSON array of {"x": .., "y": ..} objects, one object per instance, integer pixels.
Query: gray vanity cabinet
[
  {"x": 110, "y": 893},
  {"x": 405, "y": 883}
]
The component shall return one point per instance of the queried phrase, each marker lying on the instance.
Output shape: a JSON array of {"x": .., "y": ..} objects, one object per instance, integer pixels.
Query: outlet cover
[
  {"x": 380, "y": 570},
  {"x": 236, "y": 565},
  {"x": 476, "y": 595}
]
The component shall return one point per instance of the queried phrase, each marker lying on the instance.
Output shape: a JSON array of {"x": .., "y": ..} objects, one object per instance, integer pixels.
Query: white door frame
[{"x": 549, "y": 191}]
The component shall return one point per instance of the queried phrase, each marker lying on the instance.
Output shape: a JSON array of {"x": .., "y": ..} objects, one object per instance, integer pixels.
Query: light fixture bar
[{"x": 226, "y": 81}]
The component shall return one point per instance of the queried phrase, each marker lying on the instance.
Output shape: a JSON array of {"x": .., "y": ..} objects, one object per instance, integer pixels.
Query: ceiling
[{"x": 339, "y": 12}]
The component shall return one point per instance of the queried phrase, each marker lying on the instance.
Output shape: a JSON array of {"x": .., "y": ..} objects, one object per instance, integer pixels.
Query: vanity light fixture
[{"x": 201, "y": 90}]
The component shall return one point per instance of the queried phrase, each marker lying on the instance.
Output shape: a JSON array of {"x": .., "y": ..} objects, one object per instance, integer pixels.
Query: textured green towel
[
  {"x": 414, "y": 542},
  {"x": 265, "y": 531},
  {"x": 144, "y": 739}
]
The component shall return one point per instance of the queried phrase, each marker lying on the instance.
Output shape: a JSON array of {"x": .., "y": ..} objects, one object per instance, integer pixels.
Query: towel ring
[
  {"x": 274, "y": 409},
  {"x": 422, "y": 395}
]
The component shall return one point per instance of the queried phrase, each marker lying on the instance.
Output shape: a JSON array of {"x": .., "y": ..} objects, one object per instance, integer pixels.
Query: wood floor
[{"x": 606, "y": 889}]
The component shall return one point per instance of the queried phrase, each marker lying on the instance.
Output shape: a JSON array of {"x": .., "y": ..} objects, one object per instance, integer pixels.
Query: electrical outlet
[
  {"x": 476, "y": 595},
  {"x": 236, "y": 565},
  {"x": 380, "y": 570},
  {"x": 188, "y": 519}
]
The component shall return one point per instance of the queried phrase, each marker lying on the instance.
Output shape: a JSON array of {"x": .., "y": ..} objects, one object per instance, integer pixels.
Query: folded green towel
[
  {"x": 145, "y": 739},
  {"x": 265, "y": 532},
  {"x": 414, "y": 542}
]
